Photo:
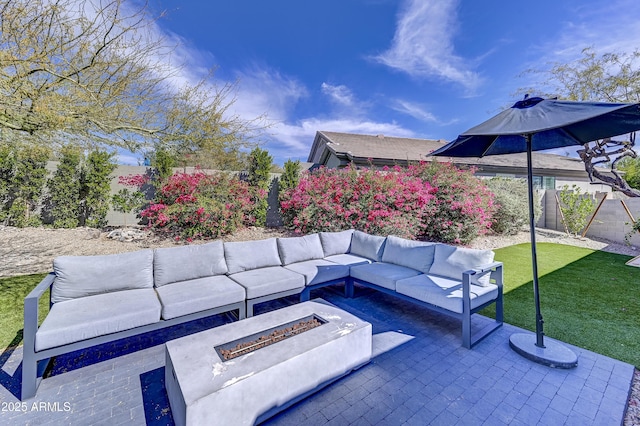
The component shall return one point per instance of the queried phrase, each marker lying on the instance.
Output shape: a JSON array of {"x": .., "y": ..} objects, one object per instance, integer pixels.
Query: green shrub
[{"x": 512, "y": 200}]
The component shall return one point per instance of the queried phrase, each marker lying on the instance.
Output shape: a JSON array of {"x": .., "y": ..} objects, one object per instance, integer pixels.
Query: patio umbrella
[{"x": 535, "y": 124}]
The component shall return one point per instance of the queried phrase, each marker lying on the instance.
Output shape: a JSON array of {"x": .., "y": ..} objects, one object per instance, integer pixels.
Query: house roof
[{"x": 388, "y": 150}]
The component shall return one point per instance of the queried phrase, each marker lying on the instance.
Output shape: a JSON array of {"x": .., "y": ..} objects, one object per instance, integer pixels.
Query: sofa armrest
[
  {"x": 495, "y": 268},
  {"x": 31, "y": 311}
]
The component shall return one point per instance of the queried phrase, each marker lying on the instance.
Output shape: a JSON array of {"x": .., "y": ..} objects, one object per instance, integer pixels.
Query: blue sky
[{"x": 411, "y": 68}]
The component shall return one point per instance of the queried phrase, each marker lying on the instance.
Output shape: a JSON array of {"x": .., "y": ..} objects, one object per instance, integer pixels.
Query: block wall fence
[{"x": 611, "y": 222}]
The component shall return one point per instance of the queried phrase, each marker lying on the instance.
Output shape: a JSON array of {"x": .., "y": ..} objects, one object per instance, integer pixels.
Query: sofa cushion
[
  {"x": 200, "y": 294},
  {"x": 383, "y": 274},
  {"x": 451, "y": 262},
  {"x": 175, "y": 264},
  {"x": 91, "y": 316},
  {"x": 81, "y": 276},
  {"x": 366, "y": 245},
  {"x": 266, "y": 281},
  {"x": 336, "y": 242},
  {"x": 299, "y": 249},
  {"x": 246, "y": 255},
  {"x": 412, "y": 254},
  {"x": 319, "y": 270},
  {"x": 445, "y": 292},
  {"x": 348, "y": 259}
]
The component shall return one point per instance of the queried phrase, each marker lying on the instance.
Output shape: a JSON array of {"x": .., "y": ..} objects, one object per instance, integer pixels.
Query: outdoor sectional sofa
[{"x": 98, "y": 299}]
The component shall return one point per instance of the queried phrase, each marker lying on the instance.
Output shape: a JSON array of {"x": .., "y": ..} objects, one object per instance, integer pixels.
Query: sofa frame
[
  {"x": 32, "y": 366},
  {"x": 469, "y": 338}
]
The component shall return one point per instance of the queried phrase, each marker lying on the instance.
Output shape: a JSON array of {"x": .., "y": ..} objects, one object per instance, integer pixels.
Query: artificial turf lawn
[
  {"x": 588, "y": 298},
  {"x": 12, "y": 293}
]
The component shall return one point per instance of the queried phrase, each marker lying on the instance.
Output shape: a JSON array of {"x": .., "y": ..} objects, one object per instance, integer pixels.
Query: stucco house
[{"x": 550, "y": 171}]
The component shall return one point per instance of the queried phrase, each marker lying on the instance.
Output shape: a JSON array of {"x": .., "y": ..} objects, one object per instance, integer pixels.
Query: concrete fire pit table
[{"x": 204, "y": 389}]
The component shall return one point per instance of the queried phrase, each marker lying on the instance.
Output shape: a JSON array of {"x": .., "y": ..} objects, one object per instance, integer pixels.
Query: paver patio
[{"x": 419, "y": 375}]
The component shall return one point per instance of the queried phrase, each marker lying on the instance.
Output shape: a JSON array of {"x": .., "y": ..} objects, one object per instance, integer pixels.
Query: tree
[
  {"x": 63, "y": 198},
  {"x": 259, "y": 178},
  {"x": 95, "y": 188},
  {"x": 291, "y": 176},
  {"x": 631, "y": 168},
  {"x": 24, "y": 168},
  {"x": 98, "y": 73},
  {"x": 610, "y": 77},
  {"x": 163, "y": 161}
]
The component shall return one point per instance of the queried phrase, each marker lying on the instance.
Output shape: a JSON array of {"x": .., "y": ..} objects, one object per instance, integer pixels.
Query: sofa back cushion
[
  {"x": 417, "y": 255},
  {"x": 246, "y": 255},
  {"x": 366, "y": 245},
  {"x": 336, "y": 242},
  {"x": 174, "y": 264},
  {"x": 451, "y": 262},
  {"x": 299, "y": 249},
  {"x": 81, "y": 276}
]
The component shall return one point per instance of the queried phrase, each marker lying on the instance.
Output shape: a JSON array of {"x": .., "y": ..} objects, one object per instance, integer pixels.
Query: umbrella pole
[
  {"x": 534, "y": 255},
  {"x": 554, "y": 353}
]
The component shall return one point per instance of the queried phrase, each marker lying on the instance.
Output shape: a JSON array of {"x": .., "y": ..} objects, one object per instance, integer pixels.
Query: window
[{"x": 544, "y": 182}]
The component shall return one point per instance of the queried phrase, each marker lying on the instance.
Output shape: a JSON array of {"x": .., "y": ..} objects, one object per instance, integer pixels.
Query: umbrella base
[{"x": 554, "y": 354}]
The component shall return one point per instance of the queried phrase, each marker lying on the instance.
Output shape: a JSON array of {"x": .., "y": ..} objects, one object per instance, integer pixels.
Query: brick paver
[{"x": 420, "y": 375}]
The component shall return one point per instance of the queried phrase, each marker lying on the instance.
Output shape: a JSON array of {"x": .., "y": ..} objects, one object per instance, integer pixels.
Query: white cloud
[
  {"x": 423, "y": 44},
  {"x": 295, "y": 140},
  {"x": 266, "y": 91},
  {"x": 341, "y": 94},
  {"x": 414, "y": 110},
  {"x": 607, "y": 27}
]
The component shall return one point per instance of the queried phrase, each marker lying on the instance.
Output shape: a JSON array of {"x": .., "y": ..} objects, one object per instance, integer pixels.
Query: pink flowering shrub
[
  {"x": 379, "y": 202},
  {"x": 433, "y": 201},
  {"x": 463, "y": 206},
  {"x": 199, "y": 205}
]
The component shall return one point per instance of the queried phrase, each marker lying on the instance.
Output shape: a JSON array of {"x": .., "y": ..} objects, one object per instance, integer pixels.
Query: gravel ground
[{"x": 31, "y": 250}]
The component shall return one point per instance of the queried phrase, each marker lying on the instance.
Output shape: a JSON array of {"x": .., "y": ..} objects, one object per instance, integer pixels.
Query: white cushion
[
  {"x": 247, "y": 255},
  {"x": 367, "y": 245},
  {"x": 412, "y": 254},
  {"x": 266, "y": 281},
  {"x": 452, "y": 261},
  {"x": 336, "y": 242},
  {"x": 186, "y": 297},
  {"x": 86, "y": 317},
  {"x": 81, "y": 276},
  {"x": 445, "y": 292},
  {"x": 299, "y": 249},
  {"x": 383, "y": 274},
  {"x": 318, "y": 271},
  {"x": 175, "y": 264}
]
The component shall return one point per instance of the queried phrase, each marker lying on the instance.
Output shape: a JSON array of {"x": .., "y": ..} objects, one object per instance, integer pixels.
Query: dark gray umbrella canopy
[
  {"x": 551, "y": 124},
  {"x": 535, "y": 124}
]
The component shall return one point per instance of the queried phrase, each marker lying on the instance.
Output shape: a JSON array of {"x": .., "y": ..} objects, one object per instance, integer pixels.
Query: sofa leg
[
  {"x": 249, "y": 310},
  {"x": 466, "y": 331},
  {"x": 29, "y": 376},
  {"x": 349, "y": 289},
  {"x": 242, "y": 312},
  {"x": 305, "y": 295}
]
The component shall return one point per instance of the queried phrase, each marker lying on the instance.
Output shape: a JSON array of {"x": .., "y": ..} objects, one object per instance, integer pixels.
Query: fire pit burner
[{"x": 267, "y": 337}]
